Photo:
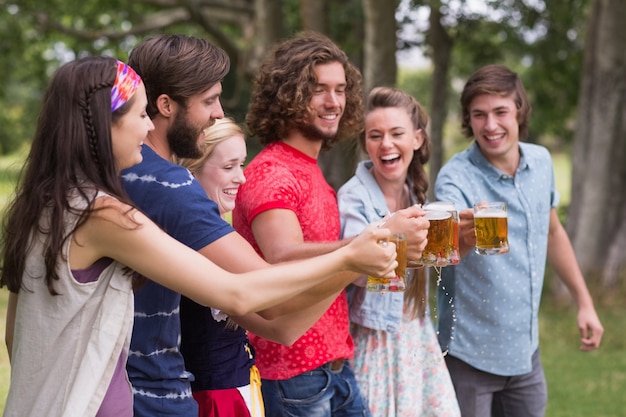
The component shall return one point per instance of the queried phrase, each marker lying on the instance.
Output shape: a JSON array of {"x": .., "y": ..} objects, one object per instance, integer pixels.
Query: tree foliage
[
  {"x": 542, "y": 40},
  {"x": 38, "y": 36}
]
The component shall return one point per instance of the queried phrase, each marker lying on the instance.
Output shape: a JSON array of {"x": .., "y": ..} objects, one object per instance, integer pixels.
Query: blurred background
[{"x": 569, "y": 53}]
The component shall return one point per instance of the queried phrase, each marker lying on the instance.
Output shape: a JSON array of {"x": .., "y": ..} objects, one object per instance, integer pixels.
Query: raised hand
[
  {"x": 412, "y": 222},
  {"x": 371, "y": 253}
]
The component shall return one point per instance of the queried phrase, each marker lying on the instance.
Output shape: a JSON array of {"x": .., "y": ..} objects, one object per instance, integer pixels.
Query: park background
[{"x": 570, "y": 54}]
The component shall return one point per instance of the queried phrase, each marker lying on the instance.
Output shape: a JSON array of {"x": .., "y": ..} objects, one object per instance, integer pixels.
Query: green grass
[
  {"x": 583, "y": 383},
  {"x": 580, "y": 384},
  {"x": 563, "y": 176}
]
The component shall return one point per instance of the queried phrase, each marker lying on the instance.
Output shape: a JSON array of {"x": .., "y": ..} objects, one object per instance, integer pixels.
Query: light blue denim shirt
[
  {"x": 361, "y": 202},
  {"x": 488, "y": 305}
]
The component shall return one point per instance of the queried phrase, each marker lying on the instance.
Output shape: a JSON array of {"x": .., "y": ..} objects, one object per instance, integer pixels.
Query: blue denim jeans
[{"x": 322, "y": 392}]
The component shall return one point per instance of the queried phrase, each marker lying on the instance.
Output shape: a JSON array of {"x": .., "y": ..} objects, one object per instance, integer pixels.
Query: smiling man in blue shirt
[{"x": 488, "y": 305}]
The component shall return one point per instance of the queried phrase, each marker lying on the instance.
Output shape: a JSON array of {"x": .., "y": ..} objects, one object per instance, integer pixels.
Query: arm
[
  {"x": 357, "y": 212},
  {"x": 279, "y": 235},
  {"x": 410, "y": 221},
  {"x": 286, "y": 322},
  {"x": 288, "y": 328},
  {"x": 149, "y": 251},
  {"x": 563, "y": 260},
  {"x": 233, "y": 253},
  {"x": 10, "y": 323}
]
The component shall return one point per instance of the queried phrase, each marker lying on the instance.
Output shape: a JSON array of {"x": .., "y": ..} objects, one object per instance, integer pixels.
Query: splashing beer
[{"x": 491, "y": 224}]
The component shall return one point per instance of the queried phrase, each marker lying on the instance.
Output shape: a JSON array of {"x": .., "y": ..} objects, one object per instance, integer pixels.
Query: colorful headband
[{"x": 126, "y": 83}]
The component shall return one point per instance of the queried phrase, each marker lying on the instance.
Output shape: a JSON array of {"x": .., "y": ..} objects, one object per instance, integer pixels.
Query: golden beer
[
  {"x": 399, "y": 282},
  {"x": 440, "y": 234},
  {"x": 491, "y": 224},
  {"x": 452, "y": 253}
]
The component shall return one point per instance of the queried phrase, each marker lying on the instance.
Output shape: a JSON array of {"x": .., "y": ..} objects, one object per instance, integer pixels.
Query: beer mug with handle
[
  {"x": 491, "y": 224},
  {"x": 397, "y": 284},
  {"x": 452, "y": 255}
]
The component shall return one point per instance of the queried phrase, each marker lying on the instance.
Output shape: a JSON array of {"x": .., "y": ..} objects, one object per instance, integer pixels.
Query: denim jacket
[{"x": 361, "y": 202}]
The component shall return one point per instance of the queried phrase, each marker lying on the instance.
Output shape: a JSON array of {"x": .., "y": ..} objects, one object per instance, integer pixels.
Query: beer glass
[
  {"x": 491, "y": 224},
  {"x": 452, "y": 251},
  {"x": 439, "y": 236},
  {"x": 398, "y": 283}
]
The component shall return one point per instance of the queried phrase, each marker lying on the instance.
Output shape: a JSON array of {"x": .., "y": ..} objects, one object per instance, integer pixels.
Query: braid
[
  {"x": 420, "y": 182},
  {"x": 417, "y": 172},
  {"x": 89, "y": 126}
]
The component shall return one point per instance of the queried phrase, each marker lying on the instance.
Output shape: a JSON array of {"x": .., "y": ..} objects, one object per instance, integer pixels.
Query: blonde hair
[{"x": 221, "y": 130}]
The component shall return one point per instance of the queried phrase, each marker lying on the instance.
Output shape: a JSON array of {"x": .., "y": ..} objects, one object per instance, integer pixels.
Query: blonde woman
[
  {"x": 220, "y": 168},
  {"x": 216, "y": 349}
]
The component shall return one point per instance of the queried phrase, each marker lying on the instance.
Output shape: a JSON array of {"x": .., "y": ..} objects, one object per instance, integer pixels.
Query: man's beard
[
  {"x": 182, "y": 137},
  {"x": 313, "y": 133}
]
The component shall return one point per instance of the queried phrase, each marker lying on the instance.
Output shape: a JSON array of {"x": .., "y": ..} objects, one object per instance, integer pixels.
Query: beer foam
[
  {"x": 491, "y": 212},
  {"x": 437, "y": 215},
  {"x": 440, "y": 205}
]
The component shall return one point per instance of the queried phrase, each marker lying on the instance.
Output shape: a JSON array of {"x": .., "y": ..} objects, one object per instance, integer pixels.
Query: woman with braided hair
[
  {"x": 397, "y": 358},
  {"x": 72, "y": 244}
]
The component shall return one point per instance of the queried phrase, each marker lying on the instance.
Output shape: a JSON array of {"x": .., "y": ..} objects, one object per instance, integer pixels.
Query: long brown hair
[
  {"x": 71, "y": 152},
  {"x": 385, "y": 97}
]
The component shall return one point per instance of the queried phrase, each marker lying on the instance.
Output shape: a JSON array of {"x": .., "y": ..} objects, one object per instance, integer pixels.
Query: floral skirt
[{"x": 403, "y": 373}]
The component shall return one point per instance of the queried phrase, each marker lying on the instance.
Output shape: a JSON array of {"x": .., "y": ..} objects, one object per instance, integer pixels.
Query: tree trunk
[
  {"x": 379, "y": 67},
  {"x": 597, "y": 218},
  {"x": 314, "y": 15},
  {"x": 441, "y": 44},
  {"x": 339, "y": 163},
  {"x": 268, "y": 30}
]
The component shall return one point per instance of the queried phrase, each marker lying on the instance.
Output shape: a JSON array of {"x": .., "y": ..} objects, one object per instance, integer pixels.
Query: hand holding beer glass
[
  {"x": 491, "y": 225},
  {"x": 451, "y": 254},
  {"x": 399, "y": 282},
  {"x": 442, "y": 248}
]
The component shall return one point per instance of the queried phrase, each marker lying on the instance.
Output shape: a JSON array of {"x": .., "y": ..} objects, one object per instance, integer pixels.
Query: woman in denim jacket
[{"x": 398, "y": 361}]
